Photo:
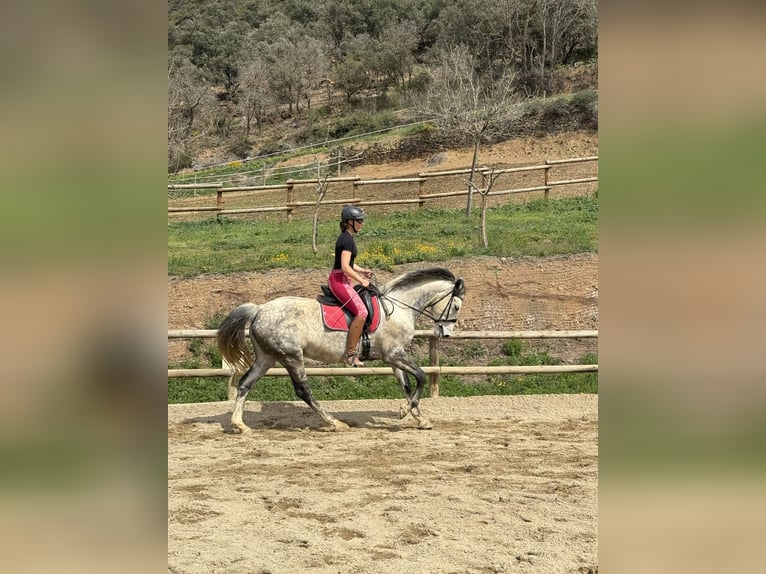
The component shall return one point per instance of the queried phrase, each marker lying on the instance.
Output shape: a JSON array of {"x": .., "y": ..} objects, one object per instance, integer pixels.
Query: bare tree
[
  {"x": 187, "y": 92},
  {"x": 321, "y": 190},
  {"x": 460, "y": 101},
  {"x": 313, "y": 65},
  {"x": 488, "y": 181},
  {"x": 255, "y": 93},
  {"x": 188, "y": 97}
]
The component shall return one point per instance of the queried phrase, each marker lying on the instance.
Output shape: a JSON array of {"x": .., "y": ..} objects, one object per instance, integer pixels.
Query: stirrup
[{"x": 351, "y": 360}]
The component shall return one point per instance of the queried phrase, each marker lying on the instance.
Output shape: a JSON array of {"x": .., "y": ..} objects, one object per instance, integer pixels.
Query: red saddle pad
[{"x": 334, "y": 318}]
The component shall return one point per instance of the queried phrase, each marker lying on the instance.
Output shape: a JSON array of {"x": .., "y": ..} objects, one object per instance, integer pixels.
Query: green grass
[
  {"x": 199, "y": 390},
  {"x": 536, "y": 228}
]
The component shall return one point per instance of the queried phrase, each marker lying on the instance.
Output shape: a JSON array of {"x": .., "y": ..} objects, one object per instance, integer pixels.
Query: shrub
[
  {"x": 583, "y": 101},
  {"x": 240, "y": 148},
  {"x": 512, "y": 348}
]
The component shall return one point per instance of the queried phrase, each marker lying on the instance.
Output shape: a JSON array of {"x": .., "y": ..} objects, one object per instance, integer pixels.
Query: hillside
[
  {"x": 247, "y": 78},
  {"x": 574, "y": 110}
]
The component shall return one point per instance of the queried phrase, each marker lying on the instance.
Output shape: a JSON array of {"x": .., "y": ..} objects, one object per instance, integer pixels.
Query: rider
[{"x": 344, "y": 272}]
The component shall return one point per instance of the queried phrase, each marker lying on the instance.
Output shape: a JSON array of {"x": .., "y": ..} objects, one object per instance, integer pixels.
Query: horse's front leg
[
  {"x": 303, "y": 391},
  {"x": 403, "y": 367},
  {"x": 404, "y": 382}
]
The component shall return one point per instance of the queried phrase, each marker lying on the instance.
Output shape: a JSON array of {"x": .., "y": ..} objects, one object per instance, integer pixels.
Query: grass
[
  {"x": 200, "y": 390},
  {"x": 535, "y": 228}
]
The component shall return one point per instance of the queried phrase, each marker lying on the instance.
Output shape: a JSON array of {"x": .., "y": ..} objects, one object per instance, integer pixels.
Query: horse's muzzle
[{"x": 443, "y": 330}]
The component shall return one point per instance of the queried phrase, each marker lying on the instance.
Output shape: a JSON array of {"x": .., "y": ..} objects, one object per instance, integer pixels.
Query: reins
[{"x": 439, "y": 319}]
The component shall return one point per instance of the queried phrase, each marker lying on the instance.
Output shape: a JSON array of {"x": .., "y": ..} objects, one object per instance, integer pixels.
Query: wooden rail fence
[
  {"x": 433, "y": 370},
  {"x": 422, "y": 197}
]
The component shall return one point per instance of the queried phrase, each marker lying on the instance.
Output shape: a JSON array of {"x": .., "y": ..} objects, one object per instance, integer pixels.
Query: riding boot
[{"x": 354, "y": 334}]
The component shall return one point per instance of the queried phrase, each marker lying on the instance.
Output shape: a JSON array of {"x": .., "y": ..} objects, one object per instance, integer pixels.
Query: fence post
[
  {"x": 290, "y": 198},
  {"x": 219, "y": 202},
  {"x": 545, "y": 180},
  {"x": 421, "y": 185},
  {"x": 433, "y": 361}
]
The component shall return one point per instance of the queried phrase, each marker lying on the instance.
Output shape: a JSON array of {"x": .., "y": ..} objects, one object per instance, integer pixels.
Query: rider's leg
[{"x": 354, "y": 334}]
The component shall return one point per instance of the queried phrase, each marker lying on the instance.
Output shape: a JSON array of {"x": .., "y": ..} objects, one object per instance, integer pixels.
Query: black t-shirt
[{"x": 345, "y": 243}]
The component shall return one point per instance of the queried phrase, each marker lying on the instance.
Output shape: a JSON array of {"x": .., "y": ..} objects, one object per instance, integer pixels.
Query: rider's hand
[{"x": 364, "y": 283}]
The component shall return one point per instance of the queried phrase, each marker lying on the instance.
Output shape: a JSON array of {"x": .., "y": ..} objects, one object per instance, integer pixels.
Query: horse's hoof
[
  {"x": 340, "y": 426},
  {"x": 241, "y": 429},
  {"x": 425, "y": 424}
]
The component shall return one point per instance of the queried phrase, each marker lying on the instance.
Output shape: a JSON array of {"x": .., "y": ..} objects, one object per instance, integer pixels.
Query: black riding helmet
[{"x": 351, "y": 212}]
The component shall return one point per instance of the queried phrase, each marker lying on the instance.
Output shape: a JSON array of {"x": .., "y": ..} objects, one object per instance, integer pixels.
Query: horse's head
[{"x": 446, "y": 309}]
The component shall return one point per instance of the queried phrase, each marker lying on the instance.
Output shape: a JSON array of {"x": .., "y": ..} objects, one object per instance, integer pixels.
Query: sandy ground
[{"x": 501, "y": 484}]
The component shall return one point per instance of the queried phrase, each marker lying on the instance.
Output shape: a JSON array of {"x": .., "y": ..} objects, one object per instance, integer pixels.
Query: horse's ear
[{"x": 459, "y": 290}]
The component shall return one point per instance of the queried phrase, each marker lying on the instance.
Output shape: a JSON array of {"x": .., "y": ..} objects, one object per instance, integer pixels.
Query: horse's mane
[{"x": 416, "y": 277}]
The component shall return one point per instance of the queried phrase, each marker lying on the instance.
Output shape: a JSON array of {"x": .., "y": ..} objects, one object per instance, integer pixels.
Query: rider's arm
[{"x": 354, "y": 273}]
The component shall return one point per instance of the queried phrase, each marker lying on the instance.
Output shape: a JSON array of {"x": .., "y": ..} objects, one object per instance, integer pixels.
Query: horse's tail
[{"x": 231, "y": 338}]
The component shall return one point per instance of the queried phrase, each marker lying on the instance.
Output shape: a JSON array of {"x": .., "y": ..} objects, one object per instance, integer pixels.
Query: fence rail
[
  {"x": 420, "y": 197},
  {"x": 433, "y": 369}
]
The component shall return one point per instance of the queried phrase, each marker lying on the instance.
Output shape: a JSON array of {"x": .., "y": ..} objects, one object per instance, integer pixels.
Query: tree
[
  {"x": 397, "y": 52},
  {"x": 352, "y": 73},
  {"x": 460, "y": 101},
  {"x": 488, "y": 181},
  {"x": 187, "y": 93},
  {"x": 255, "y": 93},
  {"x": 188, "y": 96},
  {"x": 313, "y": 65},
  {"x": 285, "y": 73},
  {"x": 341, "y": 19}
]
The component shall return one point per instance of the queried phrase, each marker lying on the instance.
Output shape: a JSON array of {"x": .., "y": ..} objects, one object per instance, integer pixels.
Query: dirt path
[{"x": 502, "y": 484}]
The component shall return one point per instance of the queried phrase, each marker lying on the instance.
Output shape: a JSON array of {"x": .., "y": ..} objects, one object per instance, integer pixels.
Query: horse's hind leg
[
  {"x": 302, "y": 389},
  {"x": 263, "y": 364}
]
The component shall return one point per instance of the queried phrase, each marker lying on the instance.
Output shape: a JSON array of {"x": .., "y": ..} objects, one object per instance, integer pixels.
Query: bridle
[{"x": 442, "y": 318}]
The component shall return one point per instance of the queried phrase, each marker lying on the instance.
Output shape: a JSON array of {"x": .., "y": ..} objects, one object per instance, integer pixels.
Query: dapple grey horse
[{"x": 290, "y": 329}]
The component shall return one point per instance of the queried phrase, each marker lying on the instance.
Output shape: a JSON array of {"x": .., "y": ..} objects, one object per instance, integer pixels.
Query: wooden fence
[
  {"x": 433, "y": 369},
  {"x": 420, "y": 198}
]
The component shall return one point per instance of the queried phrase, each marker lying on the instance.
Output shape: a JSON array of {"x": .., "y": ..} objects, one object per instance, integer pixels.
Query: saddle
[{"x": 337, "y": 318}]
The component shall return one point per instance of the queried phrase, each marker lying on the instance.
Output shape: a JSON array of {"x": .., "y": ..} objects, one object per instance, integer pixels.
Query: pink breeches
[{"x": 342, "y": 288}]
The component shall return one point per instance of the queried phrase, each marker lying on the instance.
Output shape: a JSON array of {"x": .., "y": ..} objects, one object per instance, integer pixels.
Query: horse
[{"x": 289, "y": 330}]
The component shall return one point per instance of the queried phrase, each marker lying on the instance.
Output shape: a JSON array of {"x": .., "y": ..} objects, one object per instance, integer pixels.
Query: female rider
[{"x": 344, "y": 273}]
